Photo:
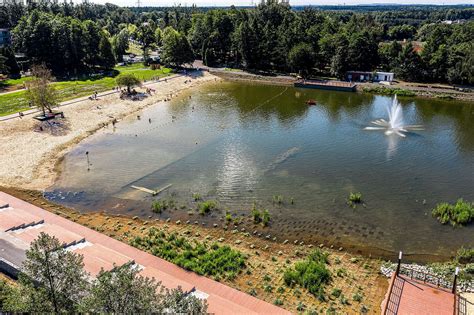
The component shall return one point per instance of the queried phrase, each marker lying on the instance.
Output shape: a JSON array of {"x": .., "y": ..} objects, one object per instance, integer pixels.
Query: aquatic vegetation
[
  {"x": 206, "y": 207},
  {"x": 354, "y": 199},
  {"x": 460, "y": 213},
  {"x": 310, "y": 273},
  {"x": 265, "y": 217},
  {"x": 228, "y": 217},
  {"x": 197, "y": 197},
  {"x": 278, "y": 199},
  {"x": 465, "y": 255},
  {"x": 389, "y": 91},
  {"x": 158, "y": 206},
  {"x": 256, "y": 215},
  {"x": 260, "y": 216},
  {"x": 210, "y": 260}
]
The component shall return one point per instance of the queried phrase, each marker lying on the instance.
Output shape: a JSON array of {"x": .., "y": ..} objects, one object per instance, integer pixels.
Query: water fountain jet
[{"x": 395, "y": 124}]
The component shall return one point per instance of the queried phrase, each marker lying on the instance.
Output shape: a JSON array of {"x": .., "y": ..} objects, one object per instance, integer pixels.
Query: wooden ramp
[{"x": 151, "y": 191}]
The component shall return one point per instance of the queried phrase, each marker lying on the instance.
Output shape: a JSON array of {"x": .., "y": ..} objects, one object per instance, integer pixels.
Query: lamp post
[
  {"x": 400, "y": 254},
  {"x": 456, "y": 272}
]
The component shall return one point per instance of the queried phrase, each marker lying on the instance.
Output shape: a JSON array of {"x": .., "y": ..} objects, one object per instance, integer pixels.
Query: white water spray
[{"x": 395, "y": 124}]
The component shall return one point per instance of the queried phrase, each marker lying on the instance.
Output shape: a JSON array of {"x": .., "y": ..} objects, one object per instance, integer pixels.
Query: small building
[
  {"x": 5, "y": 37},
  {"x": 364, "y": 76},
  {"x": 384, "y": 76}
]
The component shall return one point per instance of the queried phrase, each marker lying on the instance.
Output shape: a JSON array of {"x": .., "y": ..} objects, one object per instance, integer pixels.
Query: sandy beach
[{"x": 29, "y": 156}]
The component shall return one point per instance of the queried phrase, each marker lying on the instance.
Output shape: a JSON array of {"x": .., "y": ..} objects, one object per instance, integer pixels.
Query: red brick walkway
[
  {"x": 412, "y": 297},
  {"x": 103, "y": 251}
]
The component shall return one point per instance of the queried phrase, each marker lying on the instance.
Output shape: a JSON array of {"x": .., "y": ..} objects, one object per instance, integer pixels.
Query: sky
[{"x": 292, "y": 2}]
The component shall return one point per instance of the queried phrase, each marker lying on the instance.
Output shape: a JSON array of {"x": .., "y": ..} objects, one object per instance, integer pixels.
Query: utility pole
[{"x": 138, "y": 3}]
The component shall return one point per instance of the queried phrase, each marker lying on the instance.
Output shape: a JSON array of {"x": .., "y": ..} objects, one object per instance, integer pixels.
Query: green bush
[
  {"x": 355, "y": 197},
  {"x": 158, "y": 206},
  {"x": 357, "y": 297},
  {"x": 336, "y": 292},
  {"x": 197, "y": 197},
  {"x": 207, "y": 206},
  {"x": 311, "y": 273},
  {"x": 461, "y": 213},
  {"x": 210, "y": 260},
  {"x": 465, "y": 255},
  {"x": 260, "y": 216},
  {"x": 265, "y": 217},
  {"x": 388, "y": 91}
]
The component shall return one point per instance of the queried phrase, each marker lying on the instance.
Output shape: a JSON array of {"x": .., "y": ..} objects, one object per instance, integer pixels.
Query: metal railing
[{"x": 426, "y": 277}]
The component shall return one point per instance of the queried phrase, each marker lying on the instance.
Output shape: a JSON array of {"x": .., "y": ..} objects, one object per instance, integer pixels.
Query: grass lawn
[{"x": 16, "y": 102}]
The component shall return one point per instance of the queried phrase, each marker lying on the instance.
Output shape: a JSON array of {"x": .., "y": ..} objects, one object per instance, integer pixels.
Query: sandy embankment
[{"x": 28, "y": 157}]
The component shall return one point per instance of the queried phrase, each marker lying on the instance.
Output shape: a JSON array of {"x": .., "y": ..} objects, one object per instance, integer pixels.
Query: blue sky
[{"x": 293, "y": 2}]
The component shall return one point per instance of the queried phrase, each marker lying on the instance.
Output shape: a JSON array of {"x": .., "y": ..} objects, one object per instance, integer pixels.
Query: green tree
[
  {"x": 3, "y": 67},
  {"x": 122, "y": 290},
  {"x": 301, "y": 58},
  {"x": 176, "y": 48},
  {"x": 389, "y": 55},
  {"x": 181, "y": 303},
  {"x": 120, "y": 44},
  {"x": 146, "y": 36},
  {"x": 10, "y": 62},
  {"x": 63, "y": 282},
  {"x": 409, "y": 64},
  {"x": 339, "y": 61},
  {"x": 105, "y": 51},
  {"x": 461, "y": 60},
  {"x": 362, "y": 52},
  {"x": 39, "y": 91},
  {"x": 129, "y": 80}
]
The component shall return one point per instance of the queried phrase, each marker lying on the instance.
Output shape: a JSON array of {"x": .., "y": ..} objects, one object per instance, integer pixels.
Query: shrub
[
  {"x": 461, "y": 213},
  {"x": 256, "y": 215},
  {"x": 311, "y": 273},
  {"x": 197, "y": 197},
  {"x": 355, "y": 198},
  {"x": 389, "y": 91},
  {"x": 207, "y": 206},
  {"x": 278, "y": 302},
  {"x": 260, "y": 216},
  {"x": 278, "y": 199},
  {"x": 357, "y": 297},
  {"x": 158, "y": 206},
  {"x": 265, "y": 217},
  {"x": 214, "y": 260},
  {"x": 465, "y": 255},
  {"x": 336, "y": 292},
  {"x": 228, "y": 217}
]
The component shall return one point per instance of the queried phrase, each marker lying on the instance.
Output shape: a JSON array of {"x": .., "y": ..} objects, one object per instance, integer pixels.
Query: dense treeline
[
  {"x": 413, "y": 42},
  {"x": 65, "y": 44}
]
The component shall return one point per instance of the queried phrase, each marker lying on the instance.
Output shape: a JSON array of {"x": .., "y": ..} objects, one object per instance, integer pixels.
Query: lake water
[{"x": 243, "y": 143}]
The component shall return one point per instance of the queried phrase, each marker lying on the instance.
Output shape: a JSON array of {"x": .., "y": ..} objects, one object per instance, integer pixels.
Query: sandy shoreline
[{"x": 29, "y": 157}]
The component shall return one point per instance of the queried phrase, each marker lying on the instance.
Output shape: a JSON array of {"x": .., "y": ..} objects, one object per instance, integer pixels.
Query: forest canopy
[{"x": 418, "y": 43}]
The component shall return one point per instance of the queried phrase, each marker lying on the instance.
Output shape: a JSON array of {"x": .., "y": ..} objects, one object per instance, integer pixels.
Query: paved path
[
  {"x": 80, "y": 99},
  {"x": 100, "y": 251},
  {"x": 412, "y": 297}
]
